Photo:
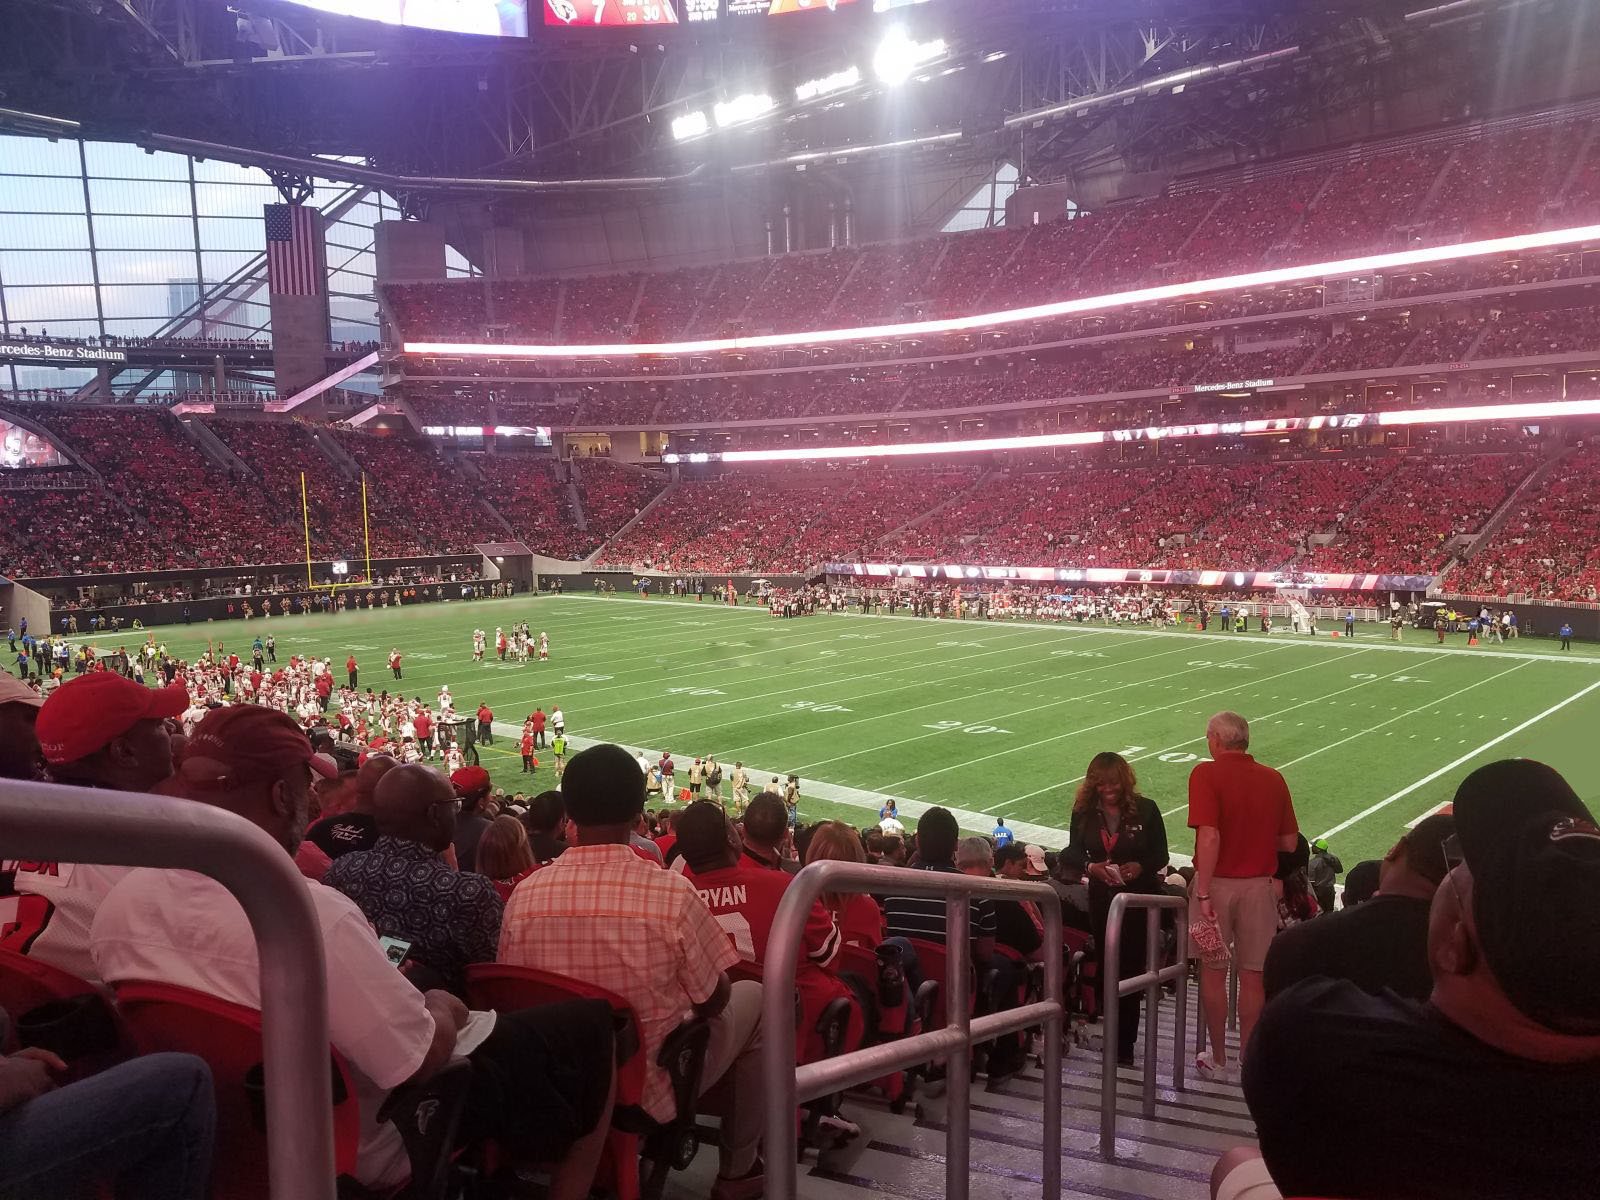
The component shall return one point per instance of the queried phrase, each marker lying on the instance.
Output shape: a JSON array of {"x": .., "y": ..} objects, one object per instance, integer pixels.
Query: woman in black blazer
[{"x": 1121, "y": 839}]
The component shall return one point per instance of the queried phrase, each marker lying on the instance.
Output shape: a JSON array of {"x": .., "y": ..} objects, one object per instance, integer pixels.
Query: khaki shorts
[{"x": 1247, "y": 916}]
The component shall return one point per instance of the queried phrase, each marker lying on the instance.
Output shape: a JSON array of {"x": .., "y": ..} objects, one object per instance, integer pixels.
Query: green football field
[{"x": 990, "y": 719}]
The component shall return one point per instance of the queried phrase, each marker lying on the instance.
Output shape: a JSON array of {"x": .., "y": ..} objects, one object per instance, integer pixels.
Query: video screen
[
  {"x": 775, "y": 8},
  {"x": 488, "y": 18},
  {"x": 19, "y": 448},
  {"x": 572, "y": 14}
]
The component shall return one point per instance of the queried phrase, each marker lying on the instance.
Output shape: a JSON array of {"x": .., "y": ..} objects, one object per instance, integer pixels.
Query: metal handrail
[
  {"x": 54, "y": 822},
  {"x": 1150, "y": 984},
  {"x": 788, "y": 1085}
]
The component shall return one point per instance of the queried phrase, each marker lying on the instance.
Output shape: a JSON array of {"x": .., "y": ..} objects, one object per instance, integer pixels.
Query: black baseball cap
[{"x": 1534, "y": 852}]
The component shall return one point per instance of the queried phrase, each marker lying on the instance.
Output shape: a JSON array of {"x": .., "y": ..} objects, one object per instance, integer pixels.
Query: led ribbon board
[
  {"x": 1014, "y": 316},
  {"x": 1541, "y": 410}
]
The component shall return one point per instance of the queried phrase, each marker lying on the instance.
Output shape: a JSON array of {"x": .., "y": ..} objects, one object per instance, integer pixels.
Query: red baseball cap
[
  {"x": 470, "y": 779},
  {"x": 243, "y": 742},
  {"x": 90, "y": 712}
]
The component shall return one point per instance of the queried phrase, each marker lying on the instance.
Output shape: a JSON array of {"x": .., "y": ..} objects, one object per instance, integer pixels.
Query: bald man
[{"x": 408, "y": 891}]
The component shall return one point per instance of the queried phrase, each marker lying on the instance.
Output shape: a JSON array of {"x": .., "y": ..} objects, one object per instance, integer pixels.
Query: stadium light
[
  {"x": 690, "y": 125},
  {"x": 897, "y": 56},
  {"x": 839, "y": 81},
  {"x": 1516, "y": 243},
  {"x": 743, "y": 108}
]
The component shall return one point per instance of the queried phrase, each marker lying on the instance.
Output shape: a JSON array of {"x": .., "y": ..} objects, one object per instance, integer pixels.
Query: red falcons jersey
[{"x": 744, "y": 899}]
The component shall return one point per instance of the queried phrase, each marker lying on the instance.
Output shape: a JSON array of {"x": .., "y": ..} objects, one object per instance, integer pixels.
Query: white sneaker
[{"x": 1209, "y": 1069}]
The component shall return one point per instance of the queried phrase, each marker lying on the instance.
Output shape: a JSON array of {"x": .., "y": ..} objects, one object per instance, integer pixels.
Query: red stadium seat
[
  {"x": 669, "y": 1146},
  {"x": 228, "y": 1037},
  {"x": 55, "y": 1010},
  {"x": 26, "y": 983}
]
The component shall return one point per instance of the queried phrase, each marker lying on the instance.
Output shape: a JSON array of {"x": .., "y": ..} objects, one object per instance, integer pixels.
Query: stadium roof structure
[{"x": 1054, "y": 85}]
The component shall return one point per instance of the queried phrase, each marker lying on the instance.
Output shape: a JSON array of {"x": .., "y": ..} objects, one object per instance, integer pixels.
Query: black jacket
[{"x": 1142, "y": 840}]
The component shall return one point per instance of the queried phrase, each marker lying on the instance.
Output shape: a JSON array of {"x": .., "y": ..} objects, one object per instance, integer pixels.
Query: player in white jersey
[
  {"x": 453, "y": 761},
  {"x": 544, "y": 646},
  {"x": 478, "y": 640}
]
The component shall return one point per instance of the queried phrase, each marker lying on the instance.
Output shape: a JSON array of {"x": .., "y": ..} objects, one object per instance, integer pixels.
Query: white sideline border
[{"x": 1450, "y": 766}]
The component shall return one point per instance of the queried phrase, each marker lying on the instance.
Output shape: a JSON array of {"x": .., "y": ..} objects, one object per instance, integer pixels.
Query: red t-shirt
[
  {"x": 485, "y": 715},
  {"x": 423, "y": 725},
  {"x": 861, "y": 923},
  {"x": 1248, "y": 803},
  {"x": 350, "y": 663},
  {"x": 324, "y": 685},
  {"x": 538, "y": 722},
  {"x": 527, "y": 745}
]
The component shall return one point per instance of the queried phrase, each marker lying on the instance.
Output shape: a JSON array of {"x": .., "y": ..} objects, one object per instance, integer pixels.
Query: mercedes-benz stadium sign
[{"x": 51, "y": 352}]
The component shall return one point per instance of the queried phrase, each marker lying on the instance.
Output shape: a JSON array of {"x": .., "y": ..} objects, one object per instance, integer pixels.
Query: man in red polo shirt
[
  {"x": 352, "y": 670},
  {"x": 1243, "y": 819},
  {"x": 485, "y": 724}
]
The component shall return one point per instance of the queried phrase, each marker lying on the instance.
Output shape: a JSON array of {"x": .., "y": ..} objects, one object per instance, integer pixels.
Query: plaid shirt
[{"x": 603, "y": 915}]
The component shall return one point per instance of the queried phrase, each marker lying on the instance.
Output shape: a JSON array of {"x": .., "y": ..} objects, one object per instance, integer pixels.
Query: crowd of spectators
[
  {"x": 612, "y": 494},
  {"x": 1525, "y": 333},
  {"x": 1491, "y": 184},
  {"x": 1547, "y": 548},
  {"x": 801, "y": 287},
  {"x": 1361, "y": 345},
  {"x": 455, "y": 311},
  {"x": 780, "y": 520},
  {"x": 598, "y": 308},
  {"x": 1406, "y": 527},
  {"x": 190, "y": 511},
  {"x": 280, "y": 453},
  {"x": 1498, "y": 182},
  {"x": 1276, "y": 508},
  {"x": 428, "y": 505},
  {"x": 525, "y": 490},
  {"x": 728, "y": 294}
]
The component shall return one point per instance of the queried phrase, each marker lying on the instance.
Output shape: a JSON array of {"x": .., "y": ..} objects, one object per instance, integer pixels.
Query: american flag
[{"x": 292, "y": 261}]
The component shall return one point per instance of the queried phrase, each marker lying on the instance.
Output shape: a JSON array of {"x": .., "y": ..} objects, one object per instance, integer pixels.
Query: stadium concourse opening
[{"x": 826, "y": 601}]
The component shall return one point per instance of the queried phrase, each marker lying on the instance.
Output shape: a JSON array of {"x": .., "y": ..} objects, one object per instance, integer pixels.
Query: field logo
[{"x": 951, "y": 726}]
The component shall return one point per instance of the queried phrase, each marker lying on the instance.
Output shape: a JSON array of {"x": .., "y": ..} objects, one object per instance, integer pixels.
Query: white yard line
[
  {"x": 1106, "y": 724},
  {"x": 830, "y": 682},
  {"x": 1411, "y": 712},
  {"x": 1450, "y": 766},
  {"x": 1145, "y": 757},
  {"x": 943, "y": 701}
]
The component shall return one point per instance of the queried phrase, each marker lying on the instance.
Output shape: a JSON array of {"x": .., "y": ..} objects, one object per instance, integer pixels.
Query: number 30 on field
[{"x": 948, "y": 726}]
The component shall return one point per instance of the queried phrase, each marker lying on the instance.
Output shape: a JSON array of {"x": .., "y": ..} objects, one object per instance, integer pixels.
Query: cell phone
[{"x": 395, "y": 949}]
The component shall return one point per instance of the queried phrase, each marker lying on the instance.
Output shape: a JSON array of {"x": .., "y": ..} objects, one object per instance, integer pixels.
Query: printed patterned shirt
[{"x": 451, "y": 918}]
